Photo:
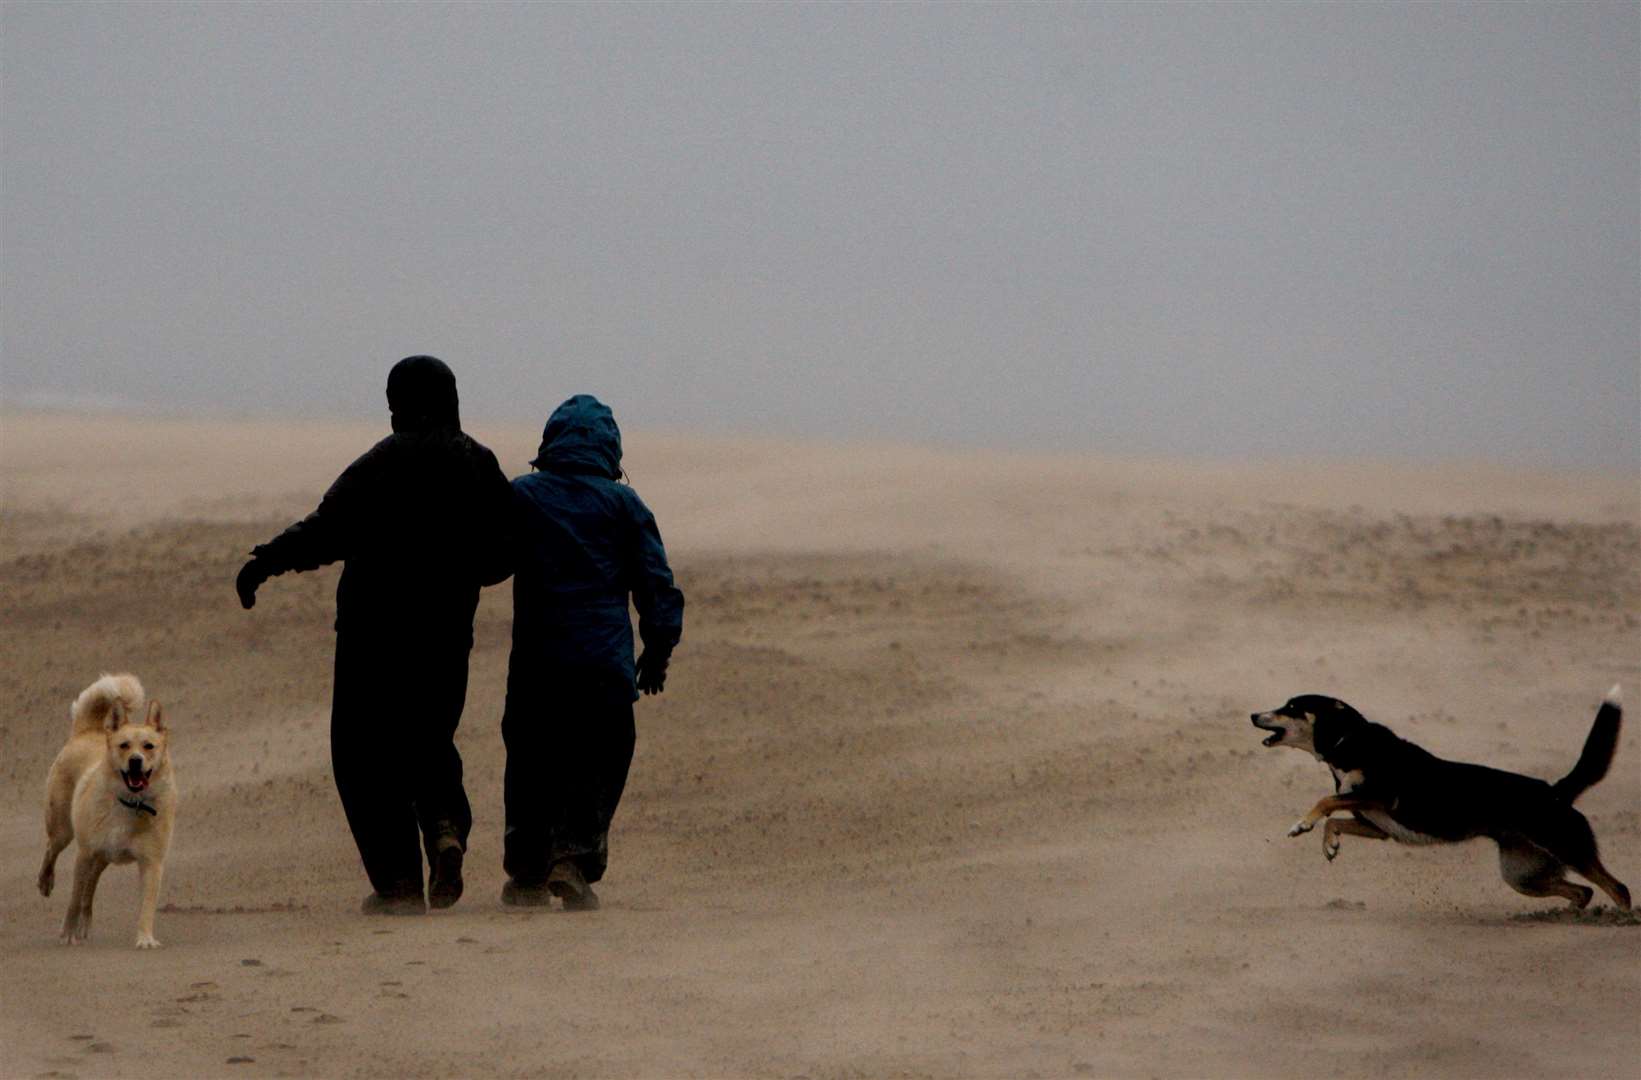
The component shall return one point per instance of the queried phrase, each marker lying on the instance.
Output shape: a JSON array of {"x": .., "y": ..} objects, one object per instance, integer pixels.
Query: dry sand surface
[{"x": 953, "y": 777}]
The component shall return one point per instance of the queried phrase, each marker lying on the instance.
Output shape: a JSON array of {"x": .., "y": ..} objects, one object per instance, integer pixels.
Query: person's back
[
  {"x": 424, "y": 512},
  {"x": 585, "y": 542}
]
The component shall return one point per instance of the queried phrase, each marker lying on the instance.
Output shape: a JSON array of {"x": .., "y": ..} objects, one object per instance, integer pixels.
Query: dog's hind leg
[
  {"x": 150, "y": 871},
  {"x": 59, "y": 825},
  {"x": 1337, "y": 827},
  {"x": 1569, "y": 839},
  {"x": 1609, "y": 884},
  {"x": 55, "y": 843},
  {"x": 1532, "y": 871}
]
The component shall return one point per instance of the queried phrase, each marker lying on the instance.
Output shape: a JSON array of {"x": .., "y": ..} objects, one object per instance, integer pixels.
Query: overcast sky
[{"x": 1228, "y": 230}]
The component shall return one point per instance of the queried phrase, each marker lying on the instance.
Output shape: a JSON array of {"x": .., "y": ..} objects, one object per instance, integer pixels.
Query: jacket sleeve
[
  {"x": 327, "y": 534},
  {"x": 494, "y": 545},
  {"x": 660, "y": 603}
]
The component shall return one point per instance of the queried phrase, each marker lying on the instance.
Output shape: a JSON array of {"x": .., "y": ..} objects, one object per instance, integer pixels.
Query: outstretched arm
[{"x": 322, "y": 537}]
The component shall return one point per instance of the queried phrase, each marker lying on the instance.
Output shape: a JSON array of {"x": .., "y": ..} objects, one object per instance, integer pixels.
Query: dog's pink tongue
[{"x": 136, "y": 781}]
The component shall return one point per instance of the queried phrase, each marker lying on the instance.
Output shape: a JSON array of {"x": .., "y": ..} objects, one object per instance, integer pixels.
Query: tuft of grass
[{"x": 1595, "y": 916}]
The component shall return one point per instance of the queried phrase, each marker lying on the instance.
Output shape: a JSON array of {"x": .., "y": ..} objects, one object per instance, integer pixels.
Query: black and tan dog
[{"x": 1398, "y": 791}]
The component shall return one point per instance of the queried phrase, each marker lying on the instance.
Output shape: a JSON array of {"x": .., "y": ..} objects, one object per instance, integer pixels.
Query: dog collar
[{"x": 139, "y": 806}]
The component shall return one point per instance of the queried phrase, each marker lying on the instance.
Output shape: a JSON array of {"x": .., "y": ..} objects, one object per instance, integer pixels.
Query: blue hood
[{"x": 581, "y": 437}]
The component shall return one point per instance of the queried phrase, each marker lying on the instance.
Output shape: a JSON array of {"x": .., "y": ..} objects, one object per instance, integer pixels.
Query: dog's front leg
[
  {"x": 1337, "y": 827},
  {"x": 1329, "y": 805},
  {"x": 150, "y": 870},
  {"x": 88, "y": 867}
]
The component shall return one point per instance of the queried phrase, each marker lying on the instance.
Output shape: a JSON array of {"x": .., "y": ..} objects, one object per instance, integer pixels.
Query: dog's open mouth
[
  {"x": 136, "y": 779},
  {"x": 1266, "y": 722}
]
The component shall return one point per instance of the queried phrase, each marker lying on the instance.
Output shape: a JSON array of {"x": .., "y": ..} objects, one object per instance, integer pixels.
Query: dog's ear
[
  {"x": 116, "y": 717},
  {"x": 156, "y": 716}
]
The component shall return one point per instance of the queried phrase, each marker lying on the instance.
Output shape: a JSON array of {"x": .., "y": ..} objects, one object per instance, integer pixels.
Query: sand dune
[{"x": 953, "y": 776}]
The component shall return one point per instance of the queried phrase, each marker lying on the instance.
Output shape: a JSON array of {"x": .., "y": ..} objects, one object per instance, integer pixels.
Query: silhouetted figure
[
  {"x": 420, "y": 523},
  {"x": 585, "y": 542}
]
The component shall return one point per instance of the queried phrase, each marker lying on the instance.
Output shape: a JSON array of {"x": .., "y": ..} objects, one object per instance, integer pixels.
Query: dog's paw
[
  {"x": 1301, "y": 826},
  {"x": 1330, "y": 849},
  {"x": 47, "y": 881},
  {"x": 147, "y": 941}
]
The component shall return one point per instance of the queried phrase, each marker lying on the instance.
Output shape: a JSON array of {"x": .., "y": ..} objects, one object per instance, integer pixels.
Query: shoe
[
  {"x": 566, "y": 882},
  {"x": 408, "y": 904},
  {"x": 517, "y": 894},
  {"x": 444, "y": 884}
]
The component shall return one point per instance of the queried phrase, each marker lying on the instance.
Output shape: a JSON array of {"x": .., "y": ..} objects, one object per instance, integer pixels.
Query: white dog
[{"x": 111, "y": 789}]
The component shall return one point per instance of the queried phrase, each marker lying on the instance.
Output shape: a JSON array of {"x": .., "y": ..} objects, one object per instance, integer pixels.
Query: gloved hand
[
  {"x": 251, "y": 575},
  {"x": 652, "y": 671}
]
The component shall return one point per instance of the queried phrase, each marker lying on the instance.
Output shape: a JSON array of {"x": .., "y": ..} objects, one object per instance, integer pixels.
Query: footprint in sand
[
  {"x": 241, "y": 1060},
  {"x": 303, "y": 1008},
  {"x": 327, "y": 1018},
  {"x": 250, "y": 963}
]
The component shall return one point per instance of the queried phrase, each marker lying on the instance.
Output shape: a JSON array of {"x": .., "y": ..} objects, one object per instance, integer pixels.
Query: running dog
[
  {"x": 1398, "y": 791},
  {"x": 110, "y": 789}
]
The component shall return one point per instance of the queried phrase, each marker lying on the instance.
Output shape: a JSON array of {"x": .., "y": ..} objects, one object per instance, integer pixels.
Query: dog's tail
[
  {"x": 1599, "y": 747},
  {"x": 91, "y": 709}
]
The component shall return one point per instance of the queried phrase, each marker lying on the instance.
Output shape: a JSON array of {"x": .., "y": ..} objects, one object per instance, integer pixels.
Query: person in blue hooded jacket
[{"x": 585, "y": 544}]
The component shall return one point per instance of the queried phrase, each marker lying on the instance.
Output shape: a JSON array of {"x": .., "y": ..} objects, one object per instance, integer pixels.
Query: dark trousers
[
  {"x": 394, "y": 712},
  {"x": 569, "y": 749}
]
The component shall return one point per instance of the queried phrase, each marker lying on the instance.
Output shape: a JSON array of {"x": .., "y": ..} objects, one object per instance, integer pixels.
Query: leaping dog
[{"x": 1398, "y": 791}]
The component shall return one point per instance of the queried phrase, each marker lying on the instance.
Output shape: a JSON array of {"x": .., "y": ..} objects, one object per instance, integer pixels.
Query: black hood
[{"x": 421, "y": 395}]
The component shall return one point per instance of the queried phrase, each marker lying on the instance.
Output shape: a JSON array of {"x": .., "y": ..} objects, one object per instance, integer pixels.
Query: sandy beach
[{"x": 953, "y": 775}]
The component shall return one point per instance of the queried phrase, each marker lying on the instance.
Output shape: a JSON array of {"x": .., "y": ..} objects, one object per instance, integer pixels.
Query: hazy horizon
[{"x": 1224, "y": 231}]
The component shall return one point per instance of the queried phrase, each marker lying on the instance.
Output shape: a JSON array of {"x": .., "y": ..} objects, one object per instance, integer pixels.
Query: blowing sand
[{"x": 953, "y": 776}]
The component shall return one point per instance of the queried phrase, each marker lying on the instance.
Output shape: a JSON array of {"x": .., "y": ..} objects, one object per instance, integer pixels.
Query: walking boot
[
  {"x": 521, "y": 894},
  {"x": 399, "y": 904},
  {"x": 444, "y": 882},
  {"x": 566, "y": 882}
]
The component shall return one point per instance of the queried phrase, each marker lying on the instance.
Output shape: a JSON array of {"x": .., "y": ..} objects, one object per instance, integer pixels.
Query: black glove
[
  {"x": 652, "y": 670},
  {"x": 251, "y": 575}
]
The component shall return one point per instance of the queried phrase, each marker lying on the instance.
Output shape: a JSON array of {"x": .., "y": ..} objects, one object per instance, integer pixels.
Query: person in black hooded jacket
[
  {"x": 585, "y": 543},
  {"x": 420, "y": 522}
]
